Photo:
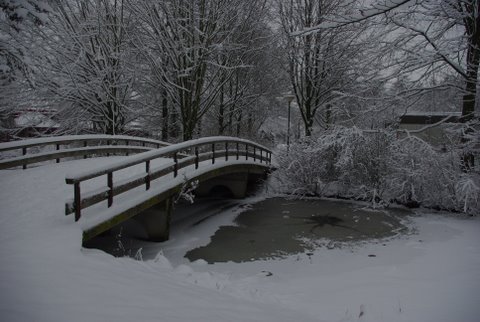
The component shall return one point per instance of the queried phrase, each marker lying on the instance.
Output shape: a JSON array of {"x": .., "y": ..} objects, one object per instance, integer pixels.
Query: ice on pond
[{"x": 264, "y": 231}]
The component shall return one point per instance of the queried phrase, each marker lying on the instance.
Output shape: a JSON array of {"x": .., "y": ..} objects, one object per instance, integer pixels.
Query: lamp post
[{"x": 289, "y": 98}]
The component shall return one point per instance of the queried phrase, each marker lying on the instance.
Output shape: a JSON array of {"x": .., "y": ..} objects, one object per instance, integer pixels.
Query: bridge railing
[
  {"x": 56, "y": 148},
  {"x": 210, "y": 148}
]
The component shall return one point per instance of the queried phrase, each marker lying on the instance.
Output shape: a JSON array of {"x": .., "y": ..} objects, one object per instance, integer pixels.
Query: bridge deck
[{"x": 32, "y": 209}]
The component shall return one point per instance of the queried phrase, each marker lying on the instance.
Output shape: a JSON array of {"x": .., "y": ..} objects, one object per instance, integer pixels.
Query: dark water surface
[{"x": 278, "y": 227}]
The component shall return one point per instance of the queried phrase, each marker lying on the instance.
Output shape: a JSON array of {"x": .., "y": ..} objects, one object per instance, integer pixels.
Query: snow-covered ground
[{"x": 45, "y": 274}]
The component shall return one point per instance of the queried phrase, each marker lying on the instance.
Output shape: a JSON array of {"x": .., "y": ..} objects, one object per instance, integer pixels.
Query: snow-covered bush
[
  {"x": 343, "y": 161},
  {"x": 377, "y": 166},
  {"x": 301, "y": 170},
  {"x": 419, "y": 174},
  {"x": 186, "y": 192},
  {"x": 468, "y": 193}
]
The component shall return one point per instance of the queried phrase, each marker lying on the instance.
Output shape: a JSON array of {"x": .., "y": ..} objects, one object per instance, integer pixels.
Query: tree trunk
[
  {"x": 239, "y": 124},
  {"x": 472, "y": 28},
  {"x": 328, "y": 115},
  {"x": 469, "y": 98},
  {"x": 173, "y": 124},
  {"x": 165, "y": 116},
  {"x": 221, "y": 112}
]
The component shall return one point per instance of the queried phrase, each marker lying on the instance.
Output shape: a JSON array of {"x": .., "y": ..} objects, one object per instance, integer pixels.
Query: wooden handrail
[
  {"x": 111, "y": 190},
  {"x": 112, "y": 146},
  {"x": 68, "y": 139},
  {"x": 68, "y": 153},
  {"x": 155, "y": 154}
]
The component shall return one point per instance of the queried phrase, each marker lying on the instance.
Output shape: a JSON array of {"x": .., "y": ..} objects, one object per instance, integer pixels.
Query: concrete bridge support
[{"x": 156, "y": 220}]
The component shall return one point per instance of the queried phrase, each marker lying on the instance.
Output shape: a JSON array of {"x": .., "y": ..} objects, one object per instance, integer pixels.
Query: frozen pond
[
  {"x": 272, "y": 228},
  {"x": 277, "y": 227}
]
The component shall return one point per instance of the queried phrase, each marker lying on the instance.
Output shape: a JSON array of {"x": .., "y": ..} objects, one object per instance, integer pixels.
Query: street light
[{"x": 289, "y": 98}]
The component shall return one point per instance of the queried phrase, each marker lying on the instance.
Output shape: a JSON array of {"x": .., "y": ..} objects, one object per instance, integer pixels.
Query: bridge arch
[
  {"x": 219, "y": 190},
  {"x": 156, "y": 214}
]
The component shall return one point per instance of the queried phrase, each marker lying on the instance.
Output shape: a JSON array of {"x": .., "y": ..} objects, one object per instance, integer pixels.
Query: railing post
[
  {"x": 147, "y": 178},
  {"x": 246, "y": 151},
  {"x": 24, "y": 152},
  {"x": 226, "y": 151},
  {"x": 261, "y": 155},
  {"x": 175, "y": 166},
  {"x": 213, "y": 153},
  {"x": 85, "y": 144},
  {"x": 196, "y": 157},
  {"x": 58, "y": 148},
  {"x": 254, "y": 153},
  {"x": 108, "y": 143},
  {"x": 238, "y": 151},
  {"x": 110, "y": 188},
  {"x": 77, "y": 200},
  {"x": 127, "y": 144}
]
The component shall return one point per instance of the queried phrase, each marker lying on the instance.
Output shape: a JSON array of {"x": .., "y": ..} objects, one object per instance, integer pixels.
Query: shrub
[{"x": 379, "y": 167}]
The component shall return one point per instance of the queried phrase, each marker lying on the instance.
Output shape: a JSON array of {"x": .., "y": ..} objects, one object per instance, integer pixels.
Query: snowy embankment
[{"x": 45, "y": 275}]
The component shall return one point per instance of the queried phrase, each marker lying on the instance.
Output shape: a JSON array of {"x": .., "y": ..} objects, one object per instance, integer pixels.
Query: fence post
[
  {"x": 24, "y": 152},
  {"x": 246, "y": 151},
  {"x": 58, "y": 148},
  {"x": 175, "y": 166},
  {"x": 77, "y": 200},
  {"x": 110, "y": 188},
  {"x": 238, "y": 151},
  {"x": 261, "y": 155},
  {"x": 213, "y": 153},
  {"x": 226, "y": 151},
  {"x": 126, "y": 143},
  {"x": 254, "y": 153},
  {"x": 196, "y": 157},
  {"x": 147, "y": 178},
  {"x": 85, "y": 145}
]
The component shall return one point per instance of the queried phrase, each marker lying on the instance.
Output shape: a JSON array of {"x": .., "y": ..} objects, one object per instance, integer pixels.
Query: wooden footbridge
[{"x": 142, "y": 183}]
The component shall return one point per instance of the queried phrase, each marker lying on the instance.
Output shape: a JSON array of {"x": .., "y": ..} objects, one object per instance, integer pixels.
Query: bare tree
[
  {"x": 84, "y": 66},
  {"x": 17, "y": 19},
  {"x": 441, "y": 36},
  {"x": 320, "y": 64},
  {"x": 246, "y": 87},
  {"x": 192, "y": 52}
]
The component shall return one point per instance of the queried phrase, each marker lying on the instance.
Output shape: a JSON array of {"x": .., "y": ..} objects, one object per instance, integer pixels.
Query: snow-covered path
[{"x": 45, "y": 275}]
